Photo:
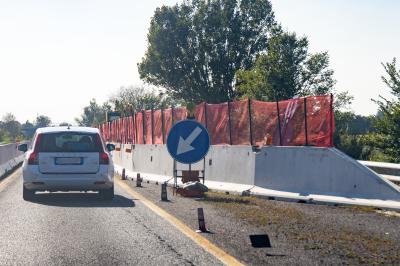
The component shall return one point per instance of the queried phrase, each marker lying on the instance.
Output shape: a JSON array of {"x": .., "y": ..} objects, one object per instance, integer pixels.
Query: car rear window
[{"x": 70, "y": 142}]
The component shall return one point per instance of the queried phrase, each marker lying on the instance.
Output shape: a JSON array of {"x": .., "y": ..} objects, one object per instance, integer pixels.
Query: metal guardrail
[{"x": 389, "y": 171}]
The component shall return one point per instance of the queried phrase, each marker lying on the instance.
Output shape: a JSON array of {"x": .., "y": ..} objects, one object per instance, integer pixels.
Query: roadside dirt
[{"x": 300, "y": 234}]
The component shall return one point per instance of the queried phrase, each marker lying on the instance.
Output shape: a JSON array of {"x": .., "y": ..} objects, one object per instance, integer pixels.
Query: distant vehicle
[{"x": 67, "y": 159}]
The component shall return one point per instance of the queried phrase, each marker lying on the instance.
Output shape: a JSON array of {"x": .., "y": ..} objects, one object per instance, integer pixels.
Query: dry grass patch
[
  {"x": 311, "y": 233},
  {"x": 357, "y": 245},
  {"x": 254, "y": 210}
]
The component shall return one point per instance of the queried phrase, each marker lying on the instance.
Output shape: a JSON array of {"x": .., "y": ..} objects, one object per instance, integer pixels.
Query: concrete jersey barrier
[
  {"x": 10, "y": 157},
  {"x": 304, "y": 171}
]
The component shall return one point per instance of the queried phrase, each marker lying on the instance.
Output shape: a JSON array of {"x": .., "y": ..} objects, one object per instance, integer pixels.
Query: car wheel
[
  {"x": 107, "y": 194},
  {"x": 28, "y": 194}
]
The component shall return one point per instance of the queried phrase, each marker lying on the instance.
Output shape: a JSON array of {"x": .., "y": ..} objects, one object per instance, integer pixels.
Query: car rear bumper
[
  {"x": 67, "y": 185},
  {"x": 34, "y": 180}
]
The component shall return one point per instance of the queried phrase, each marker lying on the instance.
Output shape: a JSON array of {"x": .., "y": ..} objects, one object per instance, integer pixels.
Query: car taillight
[
  {"x": 33, "y": 158},
  {"x": 103, "y": 158}
]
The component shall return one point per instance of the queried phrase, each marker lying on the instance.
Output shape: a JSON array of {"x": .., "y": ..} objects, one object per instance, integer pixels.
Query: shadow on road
[{"x": 83, "y": 200}]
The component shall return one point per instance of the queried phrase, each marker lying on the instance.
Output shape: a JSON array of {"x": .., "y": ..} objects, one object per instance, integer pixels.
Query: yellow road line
[
  {"x": 9, "y": 179},
  {"x": 200, "y": 240}
]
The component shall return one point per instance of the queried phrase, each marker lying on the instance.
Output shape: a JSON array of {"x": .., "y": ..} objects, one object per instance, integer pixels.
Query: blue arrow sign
[{"x": 188, "y": 141}]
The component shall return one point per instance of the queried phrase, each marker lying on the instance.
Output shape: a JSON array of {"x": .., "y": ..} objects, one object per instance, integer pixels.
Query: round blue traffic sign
[{"x": 188, "y": 141}]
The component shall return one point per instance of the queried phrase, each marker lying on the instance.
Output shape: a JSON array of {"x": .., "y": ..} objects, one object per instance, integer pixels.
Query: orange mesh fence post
[
  {"x": 332, "y": 124},
  {"x": 105, "y": 131},
  {"x": 111, "y": 132},
  {"x": 139, "y": 128},
  {"x": 152, "y": 126},
  {"x": 124, "y": 130},
  {"x": 250, "y": 122},
  {"x": 136, "y": 129},
  {"x": 217, "y": 123},
  {"x": 279, "y": 123},
  {"x": 157, "y": 127},
  {"x": 240, "y": 129},
  {"x": 265, "y": 123},
  {"x": 229, "y": 123},
  {"x": 131, "y": 134},
  {"x": 167, "y": 121},
  {"x": 114, "y": 130},
  {"x": 117, "y": 129},
  {"x": 305, "y": 120},
  {"x": 148, "y": 131},
  {"x": 199, "y": 114},
  {"x": 162, "y": 126},
  {"x": 127, "y": 131},
  {"x": 121, "y": 130}
]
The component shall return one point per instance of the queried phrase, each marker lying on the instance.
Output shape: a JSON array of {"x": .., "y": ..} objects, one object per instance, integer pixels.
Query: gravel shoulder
[{"x": 300, "y": 234}]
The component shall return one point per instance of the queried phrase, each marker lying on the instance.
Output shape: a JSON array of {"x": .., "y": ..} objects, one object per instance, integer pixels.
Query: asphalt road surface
[{"x": 81, "y": 229}]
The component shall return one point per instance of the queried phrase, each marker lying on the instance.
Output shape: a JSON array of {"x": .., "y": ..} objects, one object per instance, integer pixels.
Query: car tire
[
  {"x": 27, "y": 194},
  {"x": 107, "y": 194}
]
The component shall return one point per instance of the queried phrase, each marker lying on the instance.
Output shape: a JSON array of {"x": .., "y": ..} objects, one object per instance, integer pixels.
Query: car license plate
[{"x": 68, "y": 161}]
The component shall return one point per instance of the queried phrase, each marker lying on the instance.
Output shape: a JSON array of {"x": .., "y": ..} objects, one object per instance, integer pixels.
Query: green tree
[
  {"x": 387, "y": 125},
  {"x": 93, "y": 114},
  {"x": 286, "y": 70},
  {"x": 28, "y": 129},
  {"x": 42, "y": 121},
  {"x": 11, "y": 128},
  {"x": 195, "y": 48},
  {"x": 351, "y": 133},
  {"x": 136, "y": 99}
]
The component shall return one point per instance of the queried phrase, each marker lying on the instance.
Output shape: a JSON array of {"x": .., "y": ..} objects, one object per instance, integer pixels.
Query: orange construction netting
[{"x": 294, "y": 122}]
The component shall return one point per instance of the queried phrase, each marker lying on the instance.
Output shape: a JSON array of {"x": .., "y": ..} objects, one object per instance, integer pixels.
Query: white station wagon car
[{"x": 67, "y": 159}]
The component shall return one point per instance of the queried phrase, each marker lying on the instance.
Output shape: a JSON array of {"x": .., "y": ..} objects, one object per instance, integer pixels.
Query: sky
[{"x": 56, "y": 55}]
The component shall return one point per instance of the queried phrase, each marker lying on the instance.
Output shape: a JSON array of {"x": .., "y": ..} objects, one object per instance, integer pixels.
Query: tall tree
[
  {"x": 93, "y": 114},
  {"x": 136, "y": 99},
  {"x": 286, "y": 70},
  {"x": 28, "y": 129},
  {"x": 11, "y": 127},
  {"x": 42, "y": 121},
  {"x": 195, "y": 48},
  {"x": 387, "y": 125}
]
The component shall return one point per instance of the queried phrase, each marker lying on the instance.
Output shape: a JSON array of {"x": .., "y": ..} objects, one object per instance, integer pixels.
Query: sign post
[{"x": 188, "y": 142}]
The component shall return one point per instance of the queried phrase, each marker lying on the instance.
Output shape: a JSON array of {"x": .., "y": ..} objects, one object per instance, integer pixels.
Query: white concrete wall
[
  {"x": 155, "y": 159},
  {"x": 326, "y": 171},
  {"x": 304, "y": 170},
  {"x": 10, "y": 157}
]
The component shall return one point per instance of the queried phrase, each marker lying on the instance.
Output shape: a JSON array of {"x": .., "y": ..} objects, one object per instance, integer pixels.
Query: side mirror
[
  {"x": 110, "y": 147},
  {"x": 23, "y": 147}
]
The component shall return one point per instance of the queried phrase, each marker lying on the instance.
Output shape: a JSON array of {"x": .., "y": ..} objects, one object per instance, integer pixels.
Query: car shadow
[{"x": 82, "y": 200}]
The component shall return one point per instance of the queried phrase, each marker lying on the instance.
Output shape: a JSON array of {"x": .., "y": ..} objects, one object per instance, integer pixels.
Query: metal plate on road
[{"x": 188, "y": 141}]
